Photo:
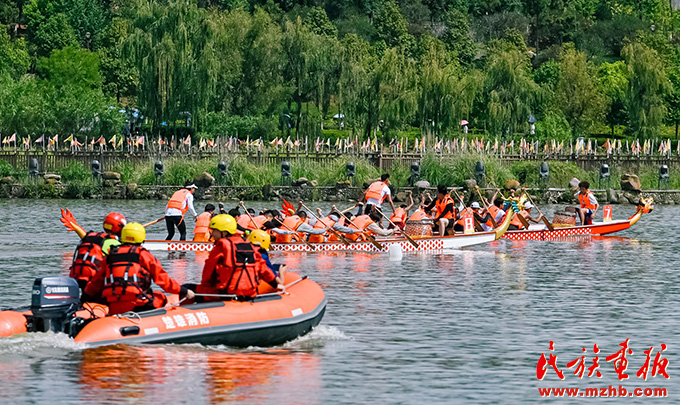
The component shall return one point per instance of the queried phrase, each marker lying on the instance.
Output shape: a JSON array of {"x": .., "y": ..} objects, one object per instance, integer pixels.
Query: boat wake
[
  {"x": 317, "y": 338},
  {"x": 27, "y": 343}
]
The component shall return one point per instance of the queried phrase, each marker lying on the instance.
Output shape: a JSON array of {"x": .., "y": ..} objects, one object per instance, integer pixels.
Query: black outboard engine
[{"x": 54, "y": 301}]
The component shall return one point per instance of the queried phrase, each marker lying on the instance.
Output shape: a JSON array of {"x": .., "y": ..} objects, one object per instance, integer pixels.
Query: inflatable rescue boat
[{"x": 269, "y": 319}]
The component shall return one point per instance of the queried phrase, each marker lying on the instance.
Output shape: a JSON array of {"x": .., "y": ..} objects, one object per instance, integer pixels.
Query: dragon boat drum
[
  {"x": 419, "y": 229},
  {"x": 564, "y": 219}
]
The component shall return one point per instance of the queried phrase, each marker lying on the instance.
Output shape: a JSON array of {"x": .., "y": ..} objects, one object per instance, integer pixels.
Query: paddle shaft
[
  {"x": 414, "y": 243},
  {"x": 478, "y": 227},
  {"x": 336, "y": 233},
  {"x": 248, "y": 213},
  {"x": 153, "y": 222},
  {"x": 369, "y": 237},
  {"x": 545, "y": 220},
  {"x": 486, "y": 207}
]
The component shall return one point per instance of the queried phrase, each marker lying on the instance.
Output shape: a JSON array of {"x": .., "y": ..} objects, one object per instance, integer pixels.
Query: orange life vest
[
  {"x": 585, "y": 200},
  {"x": 361, "y": 223},
  {"x": 177, "y": 200},
  {"x": 465, "y": 211},
  {"x": 375, "y": 191},
  {"x": 441, "y": 206},
  {"x": 320, "y": 224},
  {"x": 202, "y": 224},
  {"x": 238, "y": 272},
  {"x": 419, "y": 215},
  {"x": 332, "y": 236},
  {"x": 515, "y": 220},
  {"x": 125, "y": 279},
  {"x": 399, "y": 215},
  {"x": 290, "y": 223},
  {"x": 88, "y": 256},
  {"x": 493, "y": 211}
]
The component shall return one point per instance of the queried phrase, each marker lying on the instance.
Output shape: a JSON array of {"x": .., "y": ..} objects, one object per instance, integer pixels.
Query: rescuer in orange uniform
[
  {"x": 588, "y": 203},
  {"x": 201, "y": 230},
  {"x": 124, "y": 280},
  {"x": 180, "y": 202},
  {"x": 93, "y": 247},
  {"x": 234, "y": 266}
]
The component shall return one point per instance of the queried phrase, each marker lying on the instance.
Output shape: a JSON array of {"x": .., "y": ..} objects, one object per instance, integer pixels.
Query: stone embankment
[{"x": 111, "y": 187}]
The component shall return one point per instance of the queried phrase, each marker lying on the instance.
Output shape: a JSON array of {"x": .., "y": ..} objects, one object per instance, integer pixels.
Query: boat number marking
[
  {"x": 296, "y": 312},
  {"x": 191, "y": 319},
  {"x": 151, "y": 331}
]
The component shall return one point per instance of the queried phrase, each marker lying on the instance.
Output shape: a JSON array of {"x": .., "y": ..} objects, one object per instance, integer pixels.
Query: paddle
[
  {"x": 336, "y": 233},
  {"x": 70, "y": 223},
  {"x": 478, "y": 227},
  {"x": 486, "y": 207},
  {"x": 369, "y": 237},
  {"x": 248, "y": 213},
  {"x": 414, "y": 243},
  {"x": 153, "y": 222},
  {"x": 545, "y": 220}
]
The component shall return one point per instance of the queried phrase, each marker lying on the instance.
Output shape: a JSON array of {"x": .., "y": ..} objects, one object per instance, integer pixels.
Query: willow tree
[
  {"x": 396, "y": 91},
  {"x": 356, "y": 67},
  {"x": 509, "y": 90},
  {"x": 647, "y": 87},
  {"x": 172, "y": 47},
  {"x": 577, "y": 93},
  {"x": 446, "y": 93}
]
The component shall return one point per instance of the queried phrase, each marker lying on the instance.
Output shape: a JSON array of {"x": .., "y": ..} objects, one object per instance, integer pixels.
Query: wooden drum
[
  {"x": 564, "y": 219},
  {"x": 419, "y": 229}
]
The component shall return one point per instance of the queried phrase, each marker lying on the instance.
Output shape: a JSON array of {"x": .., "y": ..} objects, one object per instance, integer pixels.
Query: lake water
[{"x": 463, "y": 326}]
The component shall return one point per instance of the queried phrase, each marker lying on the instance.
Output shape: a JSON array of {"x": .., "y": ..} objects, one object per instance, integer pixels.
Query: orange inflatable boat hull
[{"x": 266, "y": 321}]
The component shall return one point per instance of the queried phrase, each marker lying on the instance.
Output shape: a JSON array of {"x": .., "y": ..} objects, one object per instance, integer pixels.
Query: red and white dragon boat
[
  {"x": 541, "y": 232},
  {"x": 424, "y": 243}
]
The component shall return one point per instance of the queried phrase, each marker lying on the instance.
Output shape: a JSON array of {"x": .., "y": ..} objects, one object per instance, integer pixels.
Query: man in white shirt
[
  {"x": 180, "y": 202},
  {"x": 378, "y": 192}
]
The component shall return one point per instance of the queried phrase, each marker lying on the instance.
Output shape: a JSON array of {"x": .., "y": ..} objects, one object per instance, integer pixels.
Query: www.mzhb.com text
[{"x": 611, "y": 391}]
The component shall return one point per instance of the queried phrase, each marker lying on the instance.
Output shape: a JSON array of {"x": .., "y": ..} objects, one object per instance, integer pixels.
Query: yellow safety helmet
[
  {"x": 260, "y": 238},
  {"x": 223, "y": 222},
  {"x": 133, "y": 233}
]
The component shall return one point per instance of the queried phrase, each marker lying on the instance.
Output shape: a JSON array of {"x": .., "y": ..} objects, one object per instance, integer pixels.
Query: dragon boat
[
  {"x": 269, "y": 319},
  {"x": 424, "y": 243},
  {"x": 563, "y": 231}
]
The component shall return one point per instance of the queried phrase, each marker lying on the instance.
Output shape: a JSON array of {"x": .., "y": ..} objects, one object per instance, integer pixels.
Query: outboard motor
[{"x": 54, "y": 301}]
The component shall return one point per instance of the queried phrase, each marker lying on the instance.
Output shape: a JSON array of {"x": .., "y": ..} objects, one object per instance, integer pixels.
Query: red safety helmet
[{"x": 115, "y": 222}]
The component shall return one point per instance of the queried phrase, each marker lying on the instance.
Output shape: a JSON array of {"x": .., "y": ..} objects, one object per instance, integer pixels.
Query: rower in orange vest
[
  {"x": 378, "y": 192},
  {"x": 400, "y": 214},
  {"x": 368, "y": 224},
  {"x": 516, "y": 224},
  {"x": 295, "y": 227},
  {"x": 180, "y": 202},
  {"x": 201, "y": 230},
  {"x": 589, "y": 204},
  {"x": 446, "y": 210}
]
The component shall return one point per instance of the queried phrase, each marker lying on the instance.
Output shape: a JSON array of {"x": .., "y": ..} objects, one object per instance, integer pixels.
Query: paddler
[
  {"x": 201, "y": 231},
  {"x": 368, "y": 224},
  {"x": 589, "y": 204},
  {"x": 94, "y": 246},
  {"x": 125, "y": 278},
  {"x": 482, "y": 217},
  {"x": 294, "y": 225},
  {"x": 446, "y": 210},
  {"x": 516, "y": 224},
  {"x": 233, "y": 267},
  {"x": 378, "y": 192},
  {"x": 400, "y": 215},
  {"x": 180, "y": 202}
]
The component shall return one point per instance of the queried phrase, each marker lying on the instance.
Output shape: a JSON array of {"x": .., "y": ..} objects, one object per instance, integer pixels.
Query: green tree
[
  {"x": 613, "y": 79},
  {"x": 457, "y": 37},
  {"x": 396, "y": 84},
  {"x": 647, "y": 87},
  {"x": 509, "y": 91},
  {"x": 72, "y": 66},
  {"x": 354, "y": 89},
  {"x": 392, "y": 27},
  {"x": 577, "y": 93},
  {"x": 54, "y": 33},
  {"x": 14, "y": 58}
]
